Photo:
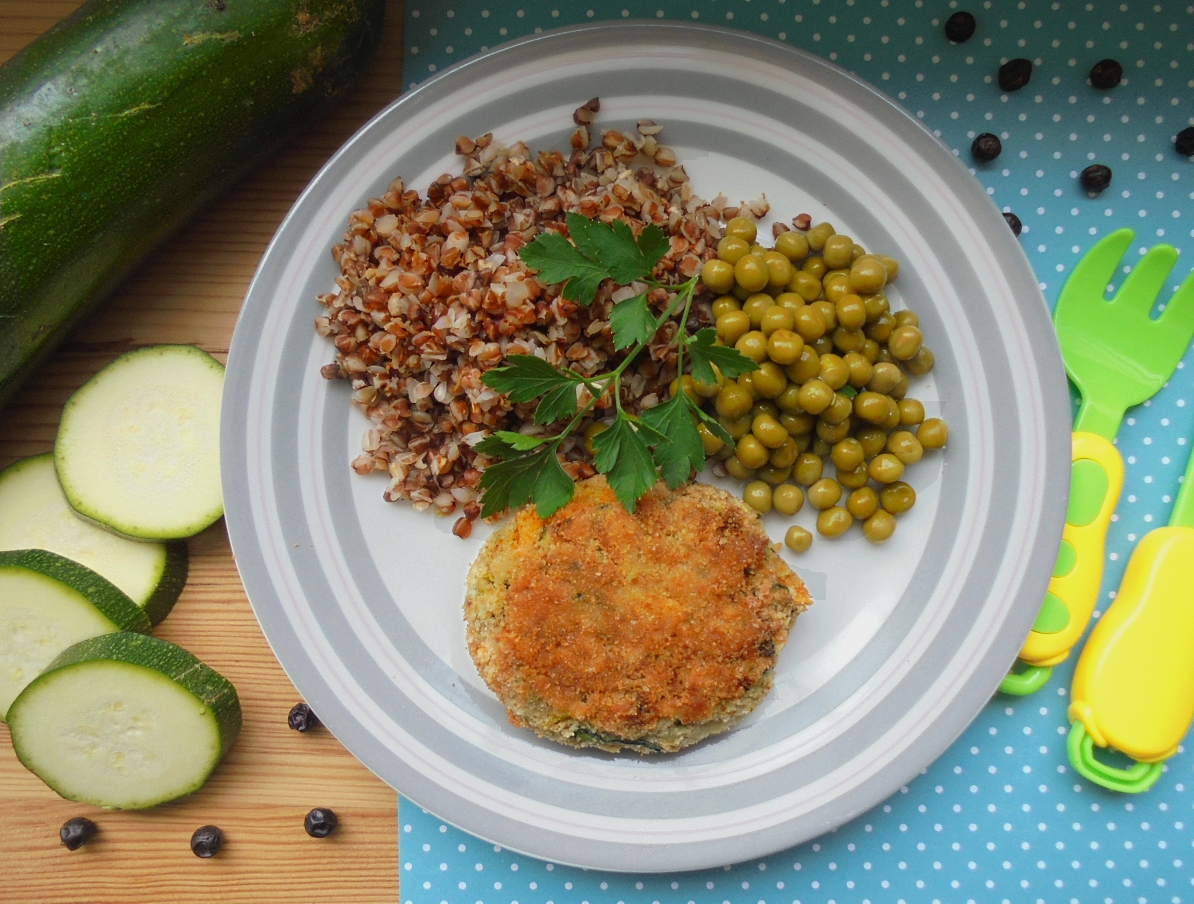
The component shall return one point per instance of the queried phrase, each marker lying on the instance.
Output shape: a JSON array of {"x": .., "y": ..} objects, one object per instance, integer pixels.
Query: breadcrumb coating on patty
[{"x": 644, "y": 631}]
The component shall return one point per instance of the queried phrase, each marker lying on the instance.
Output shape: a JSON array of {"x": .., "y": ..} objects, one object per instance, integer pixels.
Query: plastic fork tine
[
  {"x": 1143, "y": 285},
  {"x": 1179, "y": 310},
  {"x": 1095, "y": 270}
]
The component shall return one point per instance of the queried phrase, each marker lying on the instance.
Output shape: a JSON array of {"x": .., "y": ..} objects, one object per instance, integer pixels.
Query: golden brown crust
[{"x": 649, "y": 631}]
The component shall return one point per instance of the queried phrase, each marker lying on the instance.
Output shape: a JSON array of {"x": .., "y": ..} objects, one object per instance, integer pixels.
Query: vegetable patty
[{"x": 646, "y": 631}]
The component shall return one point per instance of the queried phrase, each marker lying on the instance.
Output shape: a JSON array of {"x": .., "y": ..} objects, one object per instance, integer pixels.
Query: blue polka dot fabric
[{"x": 1001, "y": 816}]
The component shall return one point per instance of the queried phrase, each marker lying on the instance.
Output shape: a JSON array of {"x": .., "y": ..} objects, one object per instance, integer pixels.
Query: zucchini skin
[
  {"x": 127, "y": 117},
  {"x": 102, "y": 593},
  {"x": 174, "y": 579}
]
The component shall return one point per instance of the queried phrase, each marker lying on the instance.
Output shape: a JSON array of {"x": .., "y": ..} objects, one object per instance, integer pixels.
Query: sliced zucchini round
[
  {"x": 34, "y": 514},
  {"x": 48, "y": 603},
  {"x": 138, "y": 447},
  {"x": 125, "y": 721}
]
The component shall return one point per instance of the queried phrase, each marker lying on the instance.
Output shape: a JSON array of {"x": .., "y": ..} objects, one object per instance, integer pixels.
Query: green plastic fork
[{"x": 1117, "y": 356}]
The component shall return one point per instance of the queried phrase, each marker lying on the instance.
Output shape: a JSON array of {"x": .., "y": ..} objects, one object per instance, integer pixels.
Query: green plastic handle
[
  {"x": 1136, "y": 778},
  {"x": 1029, "y": 681}
]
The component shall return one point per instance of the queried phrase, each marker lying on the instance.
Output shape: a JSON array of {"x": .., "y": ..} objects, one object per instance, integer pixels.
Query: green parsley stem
[
  {"x": 684, "y": 294},
  {"x": 598, "y": 385}
]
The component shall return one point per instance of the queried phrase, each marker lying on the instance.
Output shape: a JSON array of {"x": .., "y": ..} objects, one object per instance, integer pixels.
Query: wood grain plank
[{"x": 190, "y": 290}]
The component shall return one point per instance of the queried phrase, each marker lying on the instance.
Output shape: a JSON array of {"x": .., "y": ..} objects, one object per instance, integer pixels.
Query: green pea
[
  {"x": 885, "y": 468},
  {"x": 818, "y": 235},
  {"x": 743, "y": 228},
  {"x": 785, "y": 456},
  {"x": 933, "y": 433},
  {"x": 724, "y": 304},
  {"x": 862, "y": 503},
  {"x": 754, "y": 454},
  {"x": 824, "y": 493},
  {"x": 732, "y": 326},
  {"x": 879, "y": 526},
  {"x": 769, "y": 380},
  {"x": 733, "y": 401},
  {"x": 807, "y": 470},
  {"x": 798, "y": 539},
  {"x": 751, "y": 272},
  {"x": 776, "y": 317},
  {"x": 717, "y": 276},
  {"x": 867, "y": 274},
  {"x": 806, "y": 367},
  {"x": 732, "y": 249},
  {"x": 905, "y": 341},
  {"x": 847, "y": 454},
  {"x": 736, "y": 469},
  {"x": 757, "y": 495},
  {"x": 787, "y": 498},
  {"x": 897, "y": 497},
  {"x": 834, "y": 371},
  {"x": 838, "y": 251},
  {"x": 834, "y": 521},
  {"x": 815, "y": 396},
  {"x": 774, "y": 476},
  {"x": 904, "y": 445},
  {"x": 784, "y": 346},
  {"x": 753, "y": 345},
  {"x": 767, "y": 431}
]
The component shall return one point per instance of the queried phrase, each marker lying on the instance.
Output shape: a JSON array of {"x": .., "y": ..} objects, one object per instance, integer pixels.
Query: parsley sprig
[{"x": 635, "y": 449}]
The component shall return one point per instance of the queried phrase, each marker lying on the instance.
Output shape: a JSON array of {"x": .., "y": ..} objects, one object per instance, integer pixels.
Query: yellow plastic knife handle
[
  {"x": 1096, "y": 478},
  {"x": 1133, "y": 686}
]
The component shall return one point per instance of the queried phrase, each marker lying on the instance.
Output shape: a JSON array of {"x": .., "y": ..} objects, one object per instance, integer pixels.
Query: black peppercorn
[
  {"x": 77, "y": 832},
  {"x": 207, "y": 841},
  {"x": 1014, "y": 222},
  {"x": 960, "y": 27},
  {"x": 320, "y": 822},
  {"x": 1106, "y": 74},
  {"x": 1014, "y": 74},
  {"x": 1184, "y": 142},
  {"x": 1095, "y": 177},
  {"x": 986, "y": 147},
  {"x": 301, "y": 718}
]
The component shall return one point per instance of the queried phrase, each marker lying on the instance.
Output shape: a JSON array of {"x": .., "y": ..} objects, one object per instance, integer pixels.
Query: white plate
[{"x": 361, "y": 599}]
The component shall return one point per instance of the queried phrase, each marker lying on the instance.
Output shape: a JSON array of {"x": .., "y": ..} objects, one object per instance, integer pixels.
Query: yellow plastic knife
[{"x": 1133, "y": 687}]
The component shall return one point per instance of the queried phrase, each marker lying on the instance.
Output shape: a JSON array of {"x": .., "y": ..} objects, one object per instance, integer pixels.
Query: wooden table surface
[{"x": 190, "y": 291}]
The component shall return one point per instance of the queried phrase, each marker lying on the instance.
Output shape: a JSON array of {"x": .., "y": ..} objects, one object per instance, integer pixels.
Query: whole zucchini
[{"x": 127, "y": 117}]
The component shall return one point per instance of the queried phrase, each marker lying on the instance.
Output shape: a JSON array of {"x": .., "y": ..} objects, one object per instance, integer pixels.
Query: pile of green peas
[{"x": 832, "y": 384}]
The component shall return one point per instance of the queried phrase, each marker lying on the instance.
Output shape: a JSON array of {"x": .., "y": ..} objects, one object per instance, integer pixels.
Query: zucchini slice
[
  {"x": 48, "y": 603},
  {"x": 35, "y": 515},
  {"x": 138, "y": 448},
  {"x": 125, "y": 721}
]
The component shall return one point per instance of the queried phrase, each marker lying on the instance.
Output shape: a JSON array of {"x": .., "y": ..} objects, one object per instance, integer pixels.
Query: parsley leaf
[
  {"x": 625, "y": 258},
  {"x": 705, "y": 354},
  {"x": 634, "y": 450},
  {"x": 714, "y": 425},
  {"x": 503, "y": 442},
  {"x": 680, "y": 451},
  {"x": 556, "y": 404},
  {"x": 623, "y": 457},
  {"x": 653, "y": 244},
  {"x": 632, "y": 321},
  {"x": 526, "y": 377},
  {"x": 559, "y": 261},
  {"x": 536, "y": 476}
]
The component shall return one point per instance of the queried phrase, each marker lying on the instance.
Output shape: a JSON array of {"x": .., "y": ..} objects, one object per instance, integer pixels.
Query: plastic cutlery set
[{"x": 1133, "y": 686}]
